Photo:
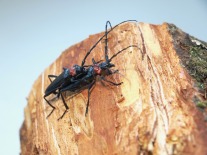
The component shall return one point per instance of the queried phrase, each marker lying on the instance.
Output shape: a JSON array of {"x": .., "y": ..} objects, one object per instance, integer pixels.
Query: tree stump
[{"x": 154, "y": 111}]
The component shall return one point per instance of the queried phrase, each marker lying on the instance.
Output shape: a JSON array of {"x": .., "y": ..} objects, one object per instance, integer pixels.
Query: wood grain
[{"x": 151, "y": 112}]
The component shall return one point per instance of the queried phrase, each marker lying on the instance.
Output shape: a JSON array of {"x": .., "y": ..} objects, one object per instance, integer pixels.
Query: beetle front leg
[{"x": 113, "y": 83}]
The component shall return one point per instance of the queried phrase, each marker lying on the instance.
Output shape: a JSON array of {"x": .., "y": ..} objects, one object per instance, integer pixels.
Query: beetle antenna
[
  {"x": 122, "y": 51},
  {"x": 106, "y": 42},
  {"x": 87, "y": 54}
]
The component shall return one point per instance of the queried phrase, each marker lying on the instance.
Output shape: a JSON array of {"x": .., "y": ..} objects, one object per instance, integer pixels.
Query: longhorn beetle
[
  {"x": 77, "y": 78},
  {"x": 88, "y": 81},
  {"x": 97, "y": 69},
  {"x": 64, "y": 79}
]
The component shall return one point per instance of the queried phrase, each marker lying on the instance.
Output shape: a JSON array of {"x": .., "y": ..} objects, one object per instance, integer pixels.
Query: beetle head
[{"x": 106, "y": 65}]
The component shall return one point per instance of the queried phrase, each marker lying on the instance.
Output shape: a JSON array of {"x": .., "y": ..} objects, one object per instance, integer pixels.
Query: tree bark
[{"x": 153, "y": 112}]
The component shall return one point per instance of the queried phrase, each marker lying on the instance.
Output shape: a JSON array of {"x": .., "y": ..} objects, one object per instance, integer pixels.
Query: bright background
[{"x": 34, "y": 33}]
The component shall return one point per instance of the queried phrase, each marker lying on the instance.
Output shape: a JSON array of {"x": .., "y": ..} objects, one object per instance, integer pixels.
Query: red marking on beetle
[
  {"x": 97, "y": 69},
  {"x": 72, "y": 71}
]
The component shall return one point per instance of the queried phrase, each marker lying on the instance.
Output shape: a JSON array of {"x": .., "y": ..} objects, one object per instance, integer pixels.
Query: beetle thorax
[
  {"x": 97, "y": 69},
  {"x": 72, "y": 71}
]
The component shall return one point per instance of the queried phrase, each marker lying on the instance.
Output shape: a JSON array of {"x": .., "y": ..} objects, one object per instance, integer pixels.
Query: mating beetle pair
[{"x": 78, "y": 78}]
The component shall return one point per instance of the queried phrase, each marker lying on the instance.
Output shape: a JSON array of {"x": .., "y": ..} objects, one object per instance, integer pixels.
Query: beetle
[
  {"x": 64, "y": 79},
  {"x": 88, "y": 81},
  {"x": 97, "y": 69},
  {"x": 70, "y": 78}
]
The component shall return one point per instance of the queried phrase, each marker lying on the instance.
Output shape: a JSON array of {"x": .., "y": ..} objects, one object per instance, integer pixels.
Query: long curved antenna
[
  {"x": 84, "y": 59},
  {"x": 106, "y": 42},
  {"x": 122, "y": 51}
]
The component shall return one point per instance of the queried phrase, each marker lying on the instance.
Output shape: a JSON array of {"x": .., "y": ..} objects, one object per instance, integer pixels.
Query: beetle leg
[
  {"x": 110, "y": 72},
  {"x": 89, "y": 93},
  {"x": 113, "y": 83},
  {"x": 66, "y": 107},
  {"x": 53, "y": 108},
  {"x": 52, "y": 76}
]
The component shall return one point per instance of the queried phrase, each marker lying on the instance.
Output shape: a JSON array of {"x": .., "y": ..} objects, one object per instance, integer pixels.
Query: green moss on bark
[{"x": 193, "y": 56}]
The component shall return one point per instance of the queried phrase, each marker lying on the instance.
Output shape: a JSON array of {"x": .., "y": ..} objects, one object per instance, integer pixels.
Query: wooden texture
[{"x": 152, "y": 112}]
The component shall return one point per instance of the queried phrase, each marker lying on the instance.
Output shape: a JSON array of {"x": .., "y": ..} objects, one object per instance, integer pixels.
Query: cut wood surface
[{"x": 152, "y": 112}]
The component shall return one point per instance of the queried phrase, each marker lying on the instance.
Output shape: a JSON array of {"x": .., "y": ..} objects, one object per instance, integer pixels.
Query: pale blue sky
[{"x": 34, "y": 33}]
